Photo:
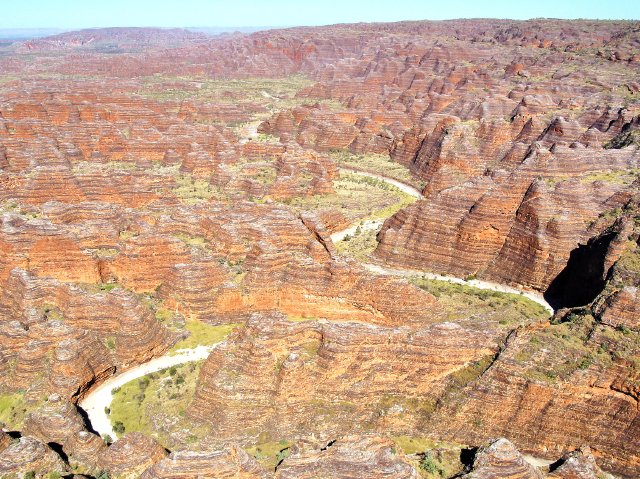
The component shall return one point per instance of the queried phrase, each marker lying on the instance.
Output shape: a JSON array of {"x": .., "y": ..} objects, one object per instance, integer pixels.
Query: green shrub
[
  {"x": 585, "y": 362},
  {"x": 143, "y": 383},
  {"x": 282, "y": 455},
  {"x": 118, "y": 427},
  {"x": 429, "y": 464}
]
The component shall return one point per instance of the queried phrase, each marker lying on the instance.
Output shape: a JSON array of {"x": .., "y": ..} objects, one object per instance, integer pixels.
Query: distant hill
[
  {"x": 19, "y": 34},
  {"x": 116, "y": 39}
]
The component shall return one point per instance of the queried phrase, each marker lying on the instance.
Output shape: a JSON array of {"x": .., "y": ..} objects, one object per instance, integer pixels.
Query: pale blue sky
[{"x": 183, "y": 13}]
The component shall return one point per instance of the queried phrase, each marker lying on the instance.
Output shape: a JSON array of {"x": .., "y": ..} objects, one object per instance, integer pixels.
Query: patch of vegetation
[
  {"x": 377, "y": 163},
  {"x": 414, "y": 445},
  {"x": 574, "y": 344},
  {"x": 107, "y": 286},
  {"x": 461, "y": 302},
  {"x": 265, "y": 138},
  {"x": 357, "y": 197},
  {"x": 52, "y": 313},
  {"x": 421, "y": 406},
  {"x": 195, "y": 241},
  {"x": 106, "y": 252},
  {"x": 618, "y": 177},
  {"x": 126, "y": 234},
  {"x": 622, "y": 140},
  {"x": 110, "y": 343},
  {"x": 429, "y": 465},
  {"x": 13, "y": 409},
  {"x": 274, "y": 92},
  {"x": 299, "y": 319},
  {"x": 203, "y": 334},
  {"x": 270, "y": 453},
  {"x": 155, "y": 405},
  {"x": 192, "y": 191},
  {"x": 471, "y": 372},
  {"x": 359, "y": 246},
  {"x": 433, "y": 459}
]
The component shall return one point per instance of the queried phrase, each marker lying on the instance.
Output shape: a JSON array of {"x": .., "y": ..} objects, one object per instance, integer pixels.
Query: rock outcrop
[
  {"x": 28, "y": 455},
  {"x": 229, "y": 462},
  {"x": 501, "y": 459},
  {"x": 579, "y": 464},
  {"x": 347, "y": 457},
  {"x": 290, "y": 379},
  {"x": 131, "y": 455}
]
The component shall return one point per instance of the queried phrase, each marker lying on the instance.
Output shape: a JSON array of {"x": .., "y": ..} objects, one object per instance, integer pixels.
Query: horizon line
[{"x": 67, "y": 29}]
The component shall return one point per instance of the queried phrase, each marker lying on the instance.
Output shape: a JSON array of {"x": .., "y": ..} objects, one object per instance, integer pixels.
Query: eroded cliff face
[
  {"x": 581, "y": 367},
  {"x": 283, "y": 379}
]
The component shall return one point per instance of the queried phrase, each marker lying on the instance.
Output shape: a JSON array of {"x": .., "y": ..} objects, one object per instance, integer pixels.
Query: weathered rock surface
[
  {"x": 289, "y": 379},
  {"x": 579, "y": 464},
  {"x": 131, "y": 455},
  {"x": 5, "y": 440},
  {"x": 346, "y": 458},
  {"x": 556, "y": 397},
  {"x": 501, "y": 459},
  {"x": 66, "y": 332},
  {"x": 230, "y": 462},
  {"x": 59, "y": 422},
  {"x": 28, "y": 454}
]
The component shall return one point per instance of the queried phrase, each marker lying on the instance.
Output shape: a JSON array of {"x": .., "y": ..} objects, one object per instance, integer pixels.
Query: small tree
[{"x": 118, "y": 427}]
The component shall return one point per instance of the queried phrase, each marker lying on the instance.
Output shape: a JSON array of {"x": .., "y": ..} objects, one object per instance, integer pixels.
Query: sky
[{"x": 74, "y": 14}]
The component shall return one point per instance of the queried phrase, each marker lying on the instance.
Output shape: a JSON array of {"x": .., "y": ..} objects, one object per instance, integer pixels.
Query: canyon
[{"x": 403, "y": 250}]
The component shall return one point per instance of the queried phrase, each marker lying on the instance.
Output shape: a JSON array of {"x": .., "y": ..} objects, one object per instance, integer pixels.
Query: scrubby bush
[
  {"x": 143, "y": 383},
  {"x": 118, "y": 427},
  {"x": 429, "y": 465}
]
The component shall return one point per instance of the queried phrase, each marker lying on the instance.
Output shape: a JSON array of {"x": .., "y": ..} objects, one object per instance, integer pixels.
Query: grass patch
[
  {"x": 471, "y": 372},
  {"x": 299, "y": 319},
  {"x": 617, "y": 177},
  {"x": 191, "y": 192},
  {"x": 156, "y": 405},
  {"x": 13, "y": 409},
  {"x": 377, "y": 163},
  {"x": 271, "y": 453},
  {"x": 432, "y": 459},
  {"x": 203, "y": 334},
  {"x": 360, "y": 245},
  {"x": 462, "y": 302},
  {"x": 273, "y": 92},
  {"x": 357, "y": 197},
  {"x": 195, "y": 241}
]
